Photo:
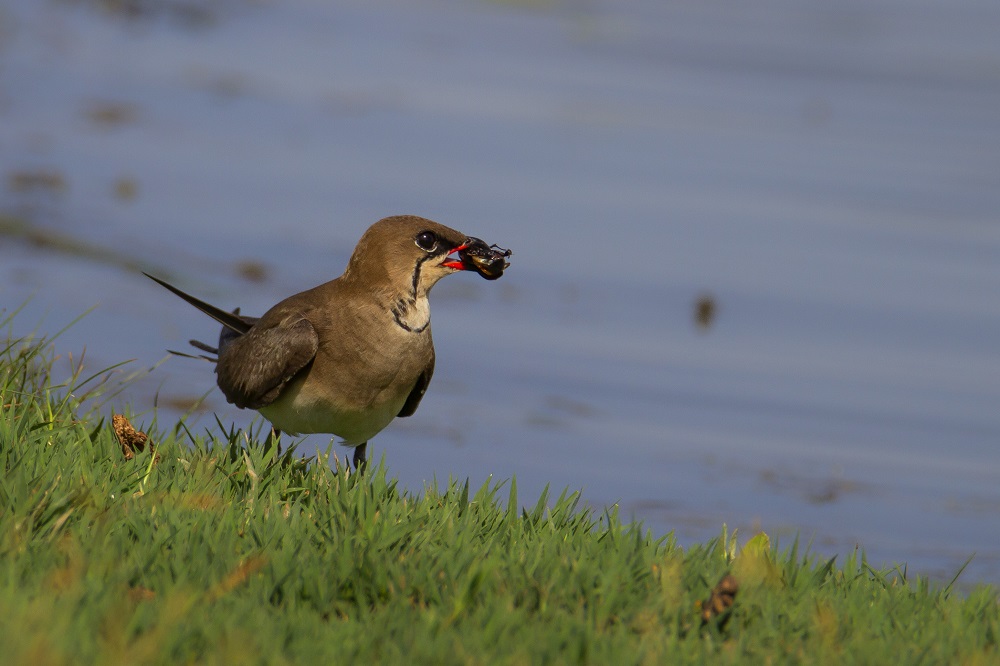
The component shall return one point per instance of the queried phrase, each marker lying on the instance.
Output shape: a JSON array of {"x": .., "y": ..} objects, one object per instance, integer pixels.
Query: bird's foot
[
  {"x": 360, "y": 458},
  {"x": 273, "y": 439}
]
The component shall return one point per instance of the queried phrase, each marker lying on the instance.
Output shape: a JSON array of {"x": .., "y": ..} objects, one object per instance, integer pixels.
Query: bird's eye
[{"x": 426, "y": 240}]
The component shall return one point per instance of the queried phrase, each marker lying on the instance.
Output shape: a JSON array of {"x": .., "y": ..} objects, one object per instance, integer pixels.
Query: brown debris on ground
[
  {"x": 130, "y": 439},
  {"x": 721, "y": 599}
]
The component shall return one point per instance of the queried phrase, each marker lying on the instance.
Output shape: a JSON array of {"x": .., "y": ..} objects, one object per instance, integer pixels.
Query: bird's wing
[
  {"x": 418, "y": 390},
  {"x": 253, "y": 368},
  {"x": 227, "y": 334}
]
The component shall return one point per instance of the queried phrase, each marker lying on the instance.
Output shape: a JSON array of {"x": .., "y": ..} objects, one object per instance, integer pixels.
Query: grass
[{"x": 218, "y": 549}]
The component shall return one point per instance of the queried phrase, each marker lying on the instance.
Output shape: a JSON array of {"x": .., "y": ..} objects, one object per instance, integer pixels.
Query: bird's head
[{"x": 410, "y": 253}]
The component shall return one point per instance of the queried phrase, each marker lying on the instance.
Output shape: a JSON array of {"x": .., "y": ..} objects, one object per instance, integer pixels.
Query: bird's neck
[{"x": 404, "y": 297}]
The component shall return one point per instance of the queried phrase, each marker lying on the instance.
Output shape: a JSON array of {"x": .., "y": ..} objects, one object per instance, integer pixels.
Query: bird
[{"x": 348, "y": 356}]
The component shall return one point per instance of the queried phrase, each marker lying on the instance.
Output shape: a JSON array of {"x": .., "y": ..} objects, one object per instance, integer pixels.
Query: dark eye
[{"x": 426, "y": 240}]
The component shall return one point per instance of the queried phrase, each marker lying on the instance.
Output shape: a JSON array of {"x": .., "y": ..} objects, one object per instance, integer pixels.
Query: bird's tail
[
  {"x": 233, "y": 324},
  {"x": 230, "y": 320}
]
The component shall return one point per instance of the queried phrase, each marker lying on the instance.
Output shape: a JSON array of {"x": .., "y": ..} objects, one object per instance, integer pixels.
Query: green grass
[{"x": 223, "y": 551}]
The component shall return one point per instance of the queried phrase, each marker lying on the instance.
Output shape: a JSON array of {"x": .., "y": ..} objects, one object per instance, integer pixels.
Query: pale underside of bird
[{"x": 350, "y": 355}]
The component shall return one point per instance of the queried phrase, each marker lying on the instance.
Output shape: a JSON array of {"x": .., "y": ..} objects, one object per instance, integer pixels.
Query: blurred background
[{"x": 756, "y": 270}]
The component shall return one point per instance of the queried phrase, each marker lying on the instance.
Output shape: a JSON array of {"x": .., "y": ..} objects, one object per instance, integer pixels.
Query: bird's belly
[{"x": 295, "y": 413}]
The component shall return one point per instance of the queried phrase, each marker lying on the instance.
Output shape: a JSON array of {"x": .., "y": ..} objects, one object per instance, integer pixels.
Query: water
[{"x": 827, "y": 175}]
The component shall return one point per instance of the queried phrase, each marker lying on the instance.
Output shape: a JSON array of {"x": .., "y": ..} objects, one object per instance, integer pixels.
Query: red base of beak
[{"x": 457, "y": 265}]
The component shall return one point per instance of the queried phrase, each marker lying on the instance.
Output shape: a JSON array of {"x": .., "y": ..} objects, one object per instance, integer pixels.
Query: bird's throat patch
[{"x": 412, "y": 315}]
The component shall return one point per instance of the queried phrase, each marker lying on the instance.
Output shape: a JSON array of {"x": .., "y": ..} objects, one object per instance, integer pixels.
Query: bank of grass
[{"x": 216, "y": 549}]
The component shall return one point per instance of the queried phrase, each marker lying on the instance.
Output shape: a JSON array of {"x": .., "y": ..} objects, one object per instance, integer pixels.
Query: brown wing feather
[
  {"x": 257, "y": 357},
  {"x": 253, "y": 368}
]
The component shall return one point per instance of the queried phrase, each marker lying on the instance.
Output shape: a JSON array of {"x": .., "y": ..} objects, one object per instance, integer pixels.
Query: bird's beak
[
  {"x": 475, "y": 255},
  {"x": 455, "y": 263}
]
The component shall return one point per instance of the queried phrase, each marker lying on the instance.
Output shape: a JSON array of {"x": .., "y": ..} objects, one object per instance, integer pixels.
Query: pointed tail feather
[
  {"x": 234, "y": 322},
  {"x": 198, "y": 357},
  {"x": 197, "y": 344}
]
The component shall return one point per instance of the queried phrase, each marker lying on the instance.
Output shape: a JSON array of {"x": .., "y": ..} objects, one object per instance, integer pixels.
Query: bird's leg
[
  {"x": 274, "y": 438},
  {"x": 359, "y": 455}
]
